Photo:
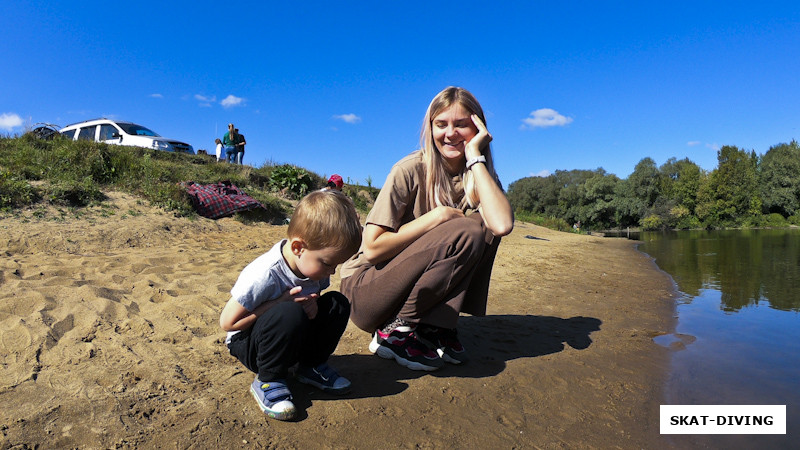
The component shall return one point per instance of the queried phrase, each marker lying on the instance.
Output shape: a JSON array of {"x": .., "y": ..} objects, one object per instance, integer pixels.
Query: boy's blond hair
[{"x": 326, "y": 219}]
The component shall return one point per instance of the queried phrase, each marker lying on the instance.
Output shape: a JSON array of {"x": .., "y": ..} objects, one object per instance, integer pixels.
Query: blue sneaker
[
  {"x": 274, "y": 398},
  {"x": 323, "y": 377}
]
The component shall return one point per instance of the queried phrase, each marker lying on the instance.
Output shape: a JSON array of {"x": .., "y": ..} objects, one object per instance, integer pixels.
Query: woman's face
[{"x": 452, "y": 129}]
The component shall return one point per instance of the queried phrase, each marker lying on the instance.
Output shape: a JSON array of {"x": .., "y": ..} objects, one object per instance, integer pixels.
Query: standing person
[
  {"x": 276, "y": 318},
  {"x": 219, "y": 149},
  {"x": 430, "y": 240},
  {"x": 229, "y": 141},
  {"x": 240, "y": 147}
]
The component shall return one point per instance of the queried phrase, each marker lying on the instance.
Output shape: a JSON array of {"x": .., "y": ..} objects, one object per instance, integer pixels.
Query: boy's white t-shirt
[
  {"x": 219, "y": 151},
  {"x": 267, "y": 278}
]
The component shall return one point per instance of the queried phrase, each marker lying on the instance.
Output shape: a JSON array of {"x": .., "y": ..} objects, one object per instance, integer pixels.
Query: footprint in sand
[{"x": 58, "y": 329}]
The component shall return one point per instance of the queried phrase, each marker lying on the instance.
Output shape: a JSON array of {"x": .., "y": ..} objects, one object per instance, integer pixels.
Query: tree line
[{"x": 744, "y": 190}]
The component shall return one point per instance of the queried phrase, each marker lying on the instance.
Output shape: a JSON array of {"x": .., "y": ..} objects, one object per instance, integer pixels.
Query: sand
[{"x": 109, "y": 338}]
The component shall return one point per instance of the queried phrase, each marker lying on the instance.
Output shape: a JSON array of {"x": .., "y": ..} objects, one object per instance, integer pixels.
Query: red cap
[{"x": 337, "y": 180}]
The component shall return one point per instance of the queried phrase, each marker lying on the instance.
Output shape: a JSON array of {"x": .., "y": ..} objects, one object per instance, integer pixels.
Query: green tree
[
  {"x": 680, "y": 181},
  {"x": 644, "y": 182},
  {"x": 779, "y": 179},
  {"x": 571, "y": 195},
  {"x": 533, "y": 194},
  {"x": 626, "y": 206},
  {"x": 731, "y": 193},
  {"x": 565, "y": 195},
  {"x": 636, "y": 195},
  {"x": 598, "y": 206}
]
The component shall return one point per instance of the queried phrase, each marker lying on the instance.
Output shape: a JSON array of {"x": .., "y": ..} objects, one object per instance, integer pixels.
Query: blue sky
[{"x": 341, "y": 87}]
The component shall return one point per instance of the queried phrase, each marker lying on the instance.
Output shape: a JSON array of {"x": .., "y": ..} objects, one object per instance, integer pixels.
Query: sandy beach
[{"x": 109, "y": 338}]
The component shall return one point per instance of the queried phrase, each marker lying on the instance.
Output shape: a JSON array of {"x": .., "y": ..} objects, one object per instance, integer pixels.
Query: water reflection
[
  {"x": 737, "y": 340},
  {"x": 746, "y": 266}
]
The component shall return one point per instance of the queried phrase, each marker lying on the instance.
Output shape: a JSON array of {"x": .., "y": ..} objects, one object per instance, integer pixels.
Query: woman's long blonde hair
[{"x": 437, "y": 181}]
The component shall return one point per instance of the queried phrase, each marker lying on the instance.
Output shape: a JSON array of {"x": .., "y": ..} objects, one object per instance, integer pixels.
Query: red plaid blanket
[{"x": 219, "y": 199}]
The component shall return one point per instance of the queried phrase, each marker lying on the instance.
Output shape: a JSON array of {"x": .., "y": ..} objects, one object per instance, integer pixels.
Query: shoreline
[{"x": 111, "y": 338}]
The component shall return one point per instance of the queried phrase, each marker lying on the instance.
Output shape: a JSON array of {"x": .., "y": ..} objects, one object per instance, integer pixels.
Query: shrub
[
  {"x": 15, "y": 192},
  {"x": 773, "y": 220},
  {"x": 74, "y": 193},
  {"x": 172, "y": 197},
  {"x": 688, "y": 223},
  {"x": 100, "y": 164},
  {"x": 291, "y": 180},
  {"x": 776, "y": 220},
  {"x": 651, "y": 222}
]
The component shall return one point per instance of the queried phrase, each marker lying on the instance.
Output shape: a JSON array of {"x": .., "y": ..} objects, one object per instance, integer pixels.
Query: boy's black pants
[{"x": 284, "y": 336}]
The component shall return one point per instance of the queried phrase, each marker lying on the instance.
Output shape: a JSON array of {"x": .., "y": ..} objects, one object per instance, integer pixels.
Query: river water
[{"x": 737, "y": 340}]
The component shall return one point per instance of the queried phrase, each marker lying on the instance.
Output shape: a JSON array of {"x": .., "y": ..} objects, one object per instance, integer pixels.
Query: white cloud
[
  {"x": 713, "y": 146},
  {"x": 156, "y": 95},
  {"x": 544, "y": 118},
  {"x": 231, "y": 100},
  {"x": 9, "y": 121},
  {"x": 205, "y": 101},
  {"x": 542, "y": 173},
  {"x": 349, "y": 118}
]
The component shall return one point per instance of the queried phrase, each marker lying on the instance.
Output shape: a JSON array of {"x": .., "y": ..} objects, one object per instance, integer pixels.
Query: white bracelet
[{"x": 476, "y": 160}]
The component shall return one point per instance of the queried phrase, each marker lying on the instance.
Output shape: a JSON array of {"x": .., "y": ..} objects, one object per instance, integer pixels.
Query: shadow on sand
[{"x": 491, "y": 341}]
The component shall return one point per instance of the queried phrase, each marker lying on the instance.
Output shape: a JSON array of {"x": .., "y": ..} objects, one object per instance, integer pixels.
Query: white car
[{"x": 122, "y": 133}]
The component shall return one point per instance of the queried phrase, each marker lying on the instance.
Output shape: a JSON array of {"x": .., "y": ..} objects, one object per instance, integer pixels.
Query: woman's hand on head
[{"x": 476, "y": 145}]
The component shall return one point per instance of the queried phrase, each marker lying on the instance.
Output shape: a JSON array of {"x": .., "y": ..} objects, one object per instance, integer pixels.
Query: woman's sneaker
[
  {"x": 444, "y": 341},
  {"x": 323, "y": 377},
  {"x": 274, "y": 398},
  {"x": 401, "y": 344}
]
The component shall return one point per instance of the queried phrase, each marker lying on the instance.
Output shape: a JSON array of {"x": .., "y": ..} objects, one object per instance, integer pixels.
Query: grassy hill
[{"x": 77, "y": 174}]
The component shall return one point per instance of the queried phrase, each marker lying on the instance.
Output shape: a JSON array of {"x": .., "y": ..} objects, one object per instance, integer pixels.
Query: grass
[
  {"x": 75, "y": 174},
  {"x": 554, "y": 223}
]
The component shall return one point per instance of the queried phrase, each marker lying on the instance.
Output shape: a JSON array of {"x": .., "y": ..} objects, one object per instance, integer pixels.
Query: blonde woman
[
  {"x": 229, "y": 142},
  {"x": 430, "y": 240}
]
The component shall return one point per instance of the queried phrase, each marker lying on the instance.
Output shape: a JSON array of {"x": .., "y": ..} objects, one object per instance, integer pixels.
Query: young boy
[{"x": 276, "y": 317}]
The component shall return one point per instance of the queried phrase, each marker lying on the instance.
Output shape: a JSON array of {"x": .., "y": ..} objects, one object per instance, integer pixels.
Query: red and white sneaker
[
  {"x": 402, "y": 345},
  {"x": 444, "y": 342}
]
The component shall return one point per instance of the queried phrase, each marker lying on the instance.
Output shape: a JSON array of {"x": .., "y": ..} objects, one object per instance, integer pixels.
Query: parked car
[{"x": 122, "y": 133}]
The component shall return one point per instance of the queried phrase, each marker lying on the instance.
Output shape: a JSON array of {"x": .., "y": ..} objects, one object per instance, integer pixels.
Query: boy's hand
[
  {"x": 309, "y": 305},
  {"x": 308, "y": 302}
]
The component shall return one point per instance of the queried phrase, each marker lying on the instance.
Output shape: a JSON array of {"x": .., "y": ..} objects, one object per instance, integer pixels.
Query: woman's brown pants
[{"x": 441, "y": 274}]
